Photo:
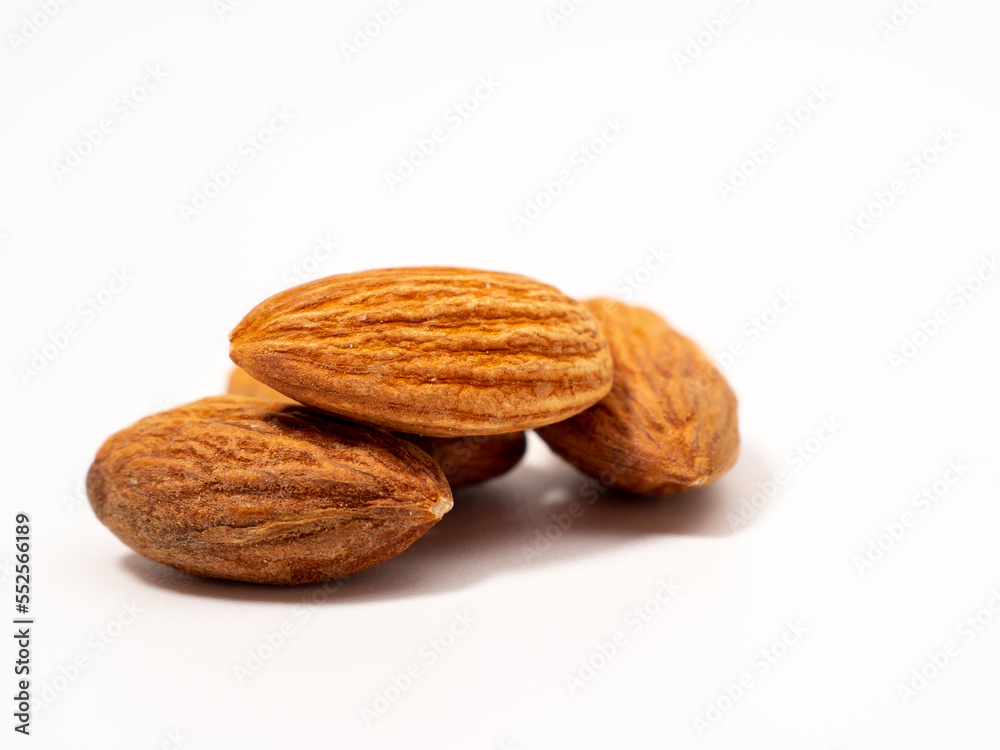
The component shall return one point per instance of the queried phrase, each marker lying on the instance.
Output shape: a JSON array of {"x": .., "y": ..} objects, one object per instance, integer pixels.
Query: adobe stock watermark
[
  {"x": 121, "y": 107},
  {"x": 913, "y": 170},
  {"x": 562, "y": 521},
  {"x": 759, "y": 324},
  {"x": 86, "y": 313},
  {"x": 761, "y": 663},
  {"x": 940, "y": 658},
  {"x": 72, "y": 501},
  {"x": 272, "y": 641},
  {"x": 899, "y": 16},
  {"x": 785, "y": 129},
  {"x": 795, "y": 461},
  {"x": 453, "y": 119},
  {"x": 364, "y": 33},
  {"x": 310, "y": 265},
  {"x": 427, "y": 656},
  {"x": 97, "y": 645},
  {"x": 559, "y": 14},
  {"x": 249, "y": 149},
  {"x": 31, "y": 25},
  {"x": 590, "y": 491},
  {"x": 579, "y": 161},
  {"x": 605, "y": 650},
  {"x": 163, "y": 403},
  {"x": 173, "y": 739},
  {"x": 652, "y": 263},
  {"x": 955, "y": 300},
  {"x": 7, "y": 569},
  {"x": 708, "y": 33},
  {"x": 892, "y": 533},
  {"x": 223, "y": 8}
]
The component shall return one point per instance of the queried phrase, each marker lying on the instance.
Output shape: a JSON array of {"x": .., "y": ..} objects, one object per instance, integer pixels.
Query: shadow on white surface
[{"x": 515, "y": 523}]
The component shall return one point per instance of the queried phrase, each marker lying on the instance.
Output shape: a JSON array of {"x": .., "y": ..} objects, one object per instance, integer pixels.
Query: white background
[{"x": 168, "y": 677}]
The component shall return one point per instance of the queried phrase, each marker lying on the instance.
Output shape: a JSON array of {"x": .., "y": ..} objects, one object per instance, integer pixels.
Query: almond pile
[{"x": 361, "y": 400}]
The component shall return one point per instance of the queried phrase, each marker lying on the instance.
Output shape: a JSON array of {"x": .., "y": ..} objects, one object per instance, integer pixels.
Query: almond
[
  {"x": 432, "y": 351},
  {"x": 474, "y": 458},
  {"x": 242, "y": 384},
  {"x": 669, "y": 422},
  {"x": 251, "y": 490},
  {"x": 465, "y": 460}
]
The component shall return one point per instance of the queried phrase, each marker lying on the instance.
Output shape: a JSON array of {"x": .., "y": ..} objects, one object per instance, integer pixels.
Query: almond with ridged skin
[
  {"x": 465, "y": 460},
  {"x": 242, "y": 384},
  {"x": 431, "y": 351},
  {"x": 251, "y": 490},
  {"x": 474, "y": 458},
  {"x": 669, "y": 422}
]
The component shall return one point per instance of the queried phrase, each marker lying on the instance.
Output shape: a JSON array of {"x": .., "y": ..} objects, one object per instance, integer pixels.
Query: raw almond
[
  {"x": 474, "y": 458},
  {"x": 433, "y": 351},
  {"x": 465, "y": 460},
  {"x": 242, "y": 384},
  {"x": 669, "y": 422},
  {"x": 251, "y": 490}
]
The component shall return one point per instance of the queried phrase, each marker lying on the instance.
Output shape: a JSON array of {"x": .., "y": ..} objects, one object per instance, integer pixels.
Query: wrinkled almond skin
[
  {"x": 474, "y": 458},
  {"x": 465, "y": 460},
  {"x": 669, "y": 422},
  {"x": 442, "y": 352},
  {"x": 242, "y": 384},
  {"x": 251, "y": 490}
]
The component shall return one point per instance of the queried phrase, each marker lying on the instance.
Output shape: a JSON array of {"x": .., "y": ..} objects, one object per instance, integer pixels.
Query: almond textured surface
[
  {"x": 430, "y": 351},
  {"x": 242, "y": 384},
  {"x": 474, "y": 458},
  {"x": 234, "y": 487},
  {"x": 465, "y": 460},
  {"x": 669, "y": 422}
]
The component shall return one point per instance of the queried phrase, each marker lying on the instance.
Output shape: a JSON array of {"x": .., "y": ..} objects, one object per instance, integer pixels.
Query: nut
[
  {"x": 234, "y": 487},
  {"x": 430, "y": 351},
  {"x": 242, "y": 384},
  {"x": 465, "y": 460},
  {"x": 669, "y": 422},
  {"x": 474, "y": 458}
]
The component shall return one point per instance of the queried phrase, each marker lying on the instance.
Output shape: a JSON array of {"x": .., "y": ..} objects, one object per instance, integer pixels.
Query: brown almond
[
  {"x": 251, "y": 490},
  {"x": 241, "y": 383},
  {"x": 430, "y": 351},
  {"x": 466, "y": 460},
  {"x": 474, "y": 458},
  {"x": 669, "y": 422}
]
